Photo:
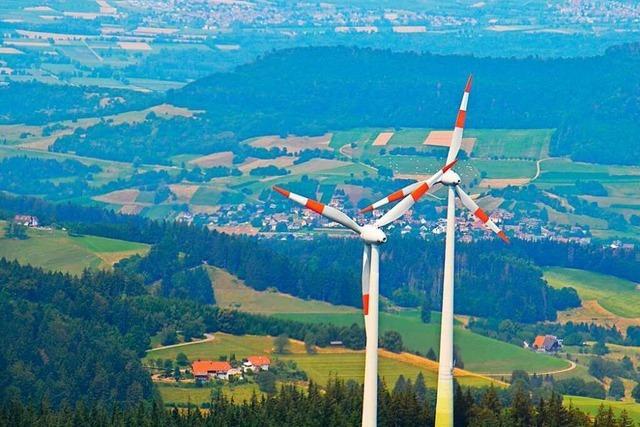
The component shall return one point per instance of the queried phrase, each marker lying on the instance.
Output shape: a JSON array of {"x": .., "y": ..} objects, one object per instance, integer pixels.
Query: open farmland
[
  {"x": 479, "y": 353},
  {"x": 56, "y": 250},
  {"x": 618, "y": 296},
  {"x": 327, "y": 362}
]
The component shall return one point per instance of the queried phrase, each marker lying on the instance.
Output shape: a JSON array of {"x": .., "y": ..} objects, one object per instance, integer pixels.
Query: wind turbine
[
  {"x": 450, "y": 179},
  {"x": 372, "y": 236}
]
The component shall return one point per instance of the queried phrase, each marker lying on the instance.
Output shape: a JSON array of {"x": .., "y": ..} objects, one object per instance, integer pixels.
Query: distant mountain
[{"x": 594, "y": 102}]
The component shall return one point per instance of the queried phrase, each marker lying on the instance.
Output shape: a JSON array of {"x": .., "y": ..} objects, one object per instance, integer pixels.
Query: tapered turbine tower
[{"x": 451, "y": 180}]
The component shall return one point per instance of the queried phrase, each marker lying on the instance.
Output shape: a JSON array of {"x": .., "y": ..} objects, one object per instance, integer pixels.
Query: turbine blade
[
  {"x": 404, "y": 192},
  {"x": 366, "y": 267},
  {"x": 327, "y": 211},
  {"x": 480, "y": 214},
  {"x": 458, "y": 130},
  {"x": 398, "y": 210}
]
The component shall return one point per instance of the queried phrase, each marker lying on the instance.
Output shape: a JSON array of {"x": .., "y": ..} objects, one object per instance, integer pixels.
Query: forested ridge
[{"x": 592, "y": 101}]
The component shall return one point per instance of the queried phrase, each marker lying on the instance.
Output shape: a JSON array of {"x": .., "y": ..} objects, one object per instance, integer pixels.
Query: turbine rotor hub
[
  {"x": 450, "y": 178},
  {"x": 373, "y": 235}
]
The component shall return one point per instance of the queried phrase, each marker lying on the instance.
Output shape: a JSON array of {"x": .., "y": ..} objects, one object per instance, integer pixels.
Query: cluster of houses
[
  {"x": 544, "y": 344},
  {"x": 26, "y": 220},
  {"x": 205, "y": 370}
]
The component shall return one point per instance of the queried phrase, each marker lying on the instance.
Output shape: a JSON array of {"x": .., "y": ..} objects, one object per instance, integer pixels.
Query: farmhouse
[
  {"x": 204, "y": 370},
  {"x": 256, "y": 363},
  {"x": 546, "y": 344},
  {"x": 26, "y": 220}
]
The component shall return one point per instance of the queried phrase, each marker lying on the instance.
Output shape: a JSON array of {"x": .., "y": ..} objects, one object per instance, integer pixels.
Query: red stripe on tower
[
  {"x": 482, "y": 216},
  {"x": 504, "y": 237},
  {"x": 315, "y": 206},
  {"x": 365, "y": 304}
]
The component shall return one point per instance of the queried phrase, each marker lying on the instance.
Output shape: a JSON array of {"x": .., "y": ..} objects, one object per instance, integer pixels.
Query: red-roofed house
[
  {"x": 205, "y": 370},
  {"x": 257, "y": 363},
  {"x": 546, "y": 344}
]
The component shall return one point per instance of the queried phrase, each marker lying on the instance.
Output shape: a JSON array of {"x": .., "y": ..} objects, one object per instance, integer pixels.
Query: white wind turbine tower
[
  {"x": 372, "y": 236},
  {"x": 450, "y": 179}
]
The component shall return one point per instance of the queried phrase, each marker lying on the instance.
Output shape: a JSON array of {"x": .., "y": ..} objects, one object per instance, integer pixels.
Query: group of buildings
[{"x": 206, "y": 370}]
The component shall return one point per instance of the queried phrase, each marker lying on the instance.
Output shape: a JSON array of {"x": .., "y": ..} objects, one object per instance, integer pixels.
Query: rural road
[
  {"x": 571, "y": 367},
  {"x": 538, "y": 167},
  {"x": 208, "y": 337}
]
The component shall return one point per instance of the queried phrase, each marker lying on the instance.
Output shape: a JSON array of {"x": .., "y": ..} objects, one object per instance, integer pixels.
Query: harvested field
[
  {"x": 224, "y": 158},
  {"x": 281, "y": 162},
  {"x": 318, "y": 165},
  {"x": 172, "y": 111},
  {"x": 131, "y": 209},
  {"x": 184, "y": 192},
  {"x": 119, "y": 197},
  {"x": 10, "y": 51},
  {"x": 355, "y": 193},
  {"x": 382, "y": 139},
  {"x": 139, "y": 46},
  {"x": 203, "y": 209},
  {"x": 246, "y": 229},
  {"x": 592, "y": 312},
  {"x": 293, "y": 144},
  {"x": 442, "y": 138},
  {"x": 503, "y": 182}
]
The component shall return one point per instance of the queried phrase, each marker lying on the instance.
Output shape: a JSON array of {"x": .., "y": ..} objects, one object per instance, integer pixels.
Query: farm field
[
  {"x": 327, "y": 362},
  {"x": 479, "y": 354},
  {"x": 57, "y": 251},
  {"x": 180, "y": 394},
  {"x": 618, "y": 296},
  {"x": 233, "y": 293},
  {"x": 591, "y": 406}
]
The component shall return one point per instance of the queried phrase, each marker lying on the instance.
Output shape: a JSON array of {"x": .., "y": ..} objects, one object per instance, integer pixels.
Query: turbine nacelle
[
  {"x": 450, "y": 178},
  {"x": 372, "y": 235}
]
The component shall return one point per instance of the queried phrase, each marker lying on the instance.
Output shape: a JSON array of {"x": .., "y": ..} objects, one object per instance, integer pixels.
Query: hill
[
  {"x": 263, "y": 98},
  {"x": 56, "y": 250}
]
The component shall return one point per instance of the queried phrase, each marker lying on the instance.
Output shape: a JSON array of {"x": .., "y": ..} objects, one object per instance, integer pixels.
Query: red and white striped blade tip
[
  {"x": 467, "y": 88},
  {"x": 367, "y": 209},
  {"x": 504, "y": 237},
  {"x": 282, "y": 191}
]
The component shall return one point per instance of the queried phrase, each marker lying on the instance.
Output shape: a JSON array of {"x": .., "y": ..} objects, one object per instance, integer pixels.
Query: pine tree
[{"x": 420, "y": 388}]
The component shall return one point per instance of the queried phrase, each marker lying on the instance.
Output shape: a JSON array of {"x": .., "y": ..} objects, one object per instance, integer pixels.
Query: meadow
[
  {"x": 479, "y": 354},
  {"x": 56, "y": 250},
  {"x": 231, "y": 292},
  {"x": 619, "y": 296},
  {"x": 591, "y": 406}
]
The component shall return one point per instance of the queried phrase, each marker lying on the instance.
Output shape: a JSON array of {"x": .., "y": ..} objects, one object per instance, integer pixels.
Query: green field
[
  {"x": 233, "y": 293},
  {"x": 511, "y": 143},
  {"x": 343, "y": 363},
  {"x": 57, "y": 251},
  {"x": 591, "y": 406},
  {"x": 619, "y": 296},
  {"x": 479, "y": 353}
]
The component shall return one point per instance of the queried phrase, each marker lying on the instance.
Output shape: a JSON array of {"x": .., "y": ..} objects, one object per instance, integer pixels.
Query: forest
[{"x": 338, "y": 404}]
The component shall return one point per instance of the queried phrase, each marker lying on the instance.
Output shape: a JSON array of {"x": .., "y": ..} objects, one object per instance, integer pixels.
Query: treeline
[
  {"x": 338, "y": 404},
  {"x": 28, "y": 175},
  {"x": 37, "y": 103},
  {"x": 349, "y": 87}
]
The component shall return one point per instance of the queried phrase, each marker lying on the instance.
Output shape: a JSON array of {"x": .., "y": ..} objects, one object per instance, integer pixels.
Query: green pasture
[
  {"x": 591, "y": 406},
  {"x": 479, "y": 353},
  {"x": 619, "y": 296},
  {"x": 511, "y": 143},
  {"x": 57, "y": 251}
]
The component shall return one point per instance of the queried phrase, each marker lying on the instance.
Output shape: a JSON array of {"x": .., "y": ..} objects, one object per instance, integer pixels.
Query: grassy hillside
[
  {"x": 619, "y": 296},
  {"x": 233, "y": 293},
  {"x": 479, "y": 353},
  {"x": 591, "y": 406},
  {"x": 56, "y": 250}
]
